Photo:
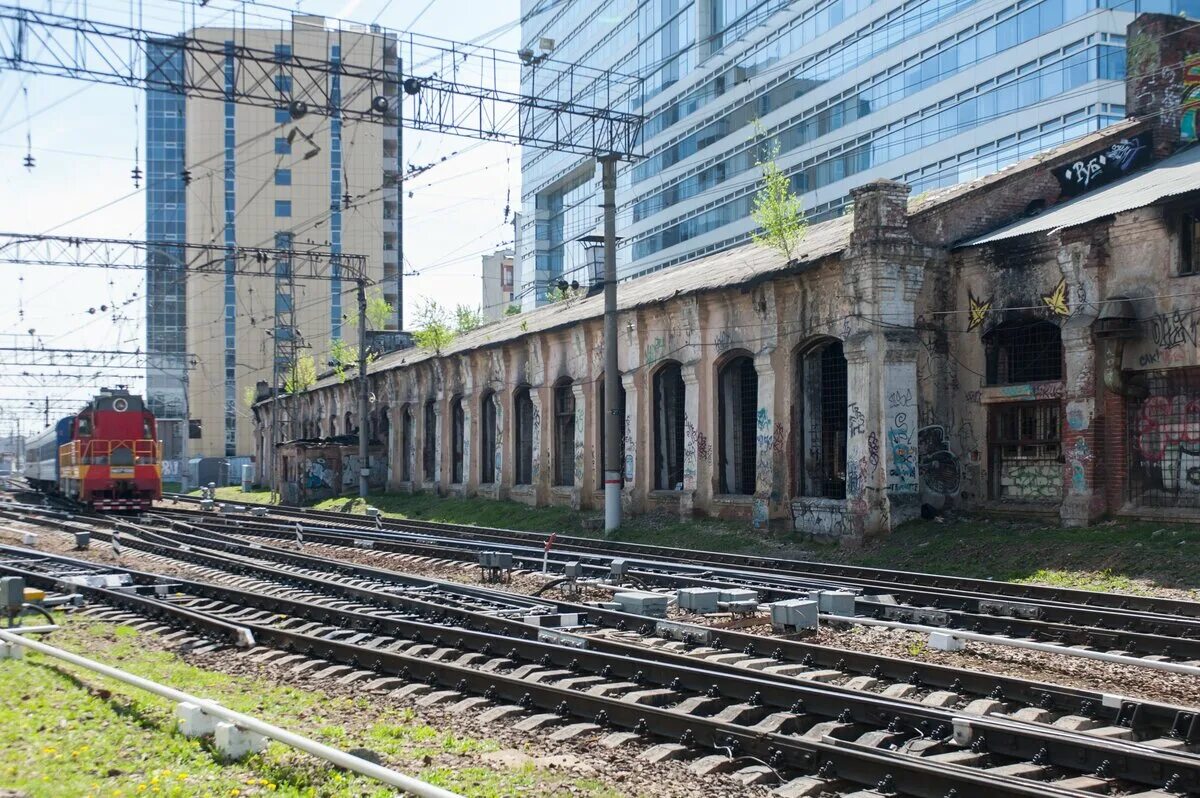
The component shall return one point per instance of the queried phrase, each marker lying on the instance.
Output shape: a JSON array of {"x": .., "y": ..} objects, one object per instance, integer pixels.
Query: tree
[
  {"x": 512, "y": 310},
  {"x": 249, "y": 395},
  {"x": 302, "y": 375},
  {"x": 560, "y": 294},
  {"x": 777, "y": 210},
  {"x": 433, "y": 326},
  {"x": 467, "y": 319},
  {"x": 379, "y": 310}
]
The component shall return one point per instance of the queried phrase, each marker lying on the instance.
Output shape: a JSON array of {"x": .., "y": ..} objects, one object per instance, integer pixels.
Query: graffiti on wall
[
  {"x": 1105, "y": 166},
  {"x": 1057, "y": 300},
  {"x": 977, "y": 311},
  {"x": 1188, "y": 129},
  {"x": 655, "y": 350},
  {"x": 820, "y": 519},
  {"x": 317, "y": 475},
  {"x": 1166, "y": 438},
  {"x": 1031, "y": 481},
  {"x": 939, "y": 467}
]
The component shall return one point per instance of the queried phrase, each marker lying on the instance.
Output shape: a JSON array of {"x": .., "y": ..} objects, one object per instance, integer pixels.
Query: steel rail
[
  {"x": 1121, "y": 711},
  {"x": 1096, "y": 628},
  {"x": 1015, "y": 591},
  {"x": 1061, "y": 749}
]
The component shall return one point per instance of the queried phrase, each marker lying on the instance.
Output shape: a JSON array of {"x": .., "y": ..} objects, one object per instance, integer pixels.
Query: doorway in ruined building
[
  {"x": 429, "y": 445},
  {"x": 333, "y": 424},
  {"x": 601, "y": 414},
  {"x": 523, "y": 412},
  {"x": 820, "y": 420},
  {"x": 384, "y": 428},
  {"x": 1164, "y": 440},
  {"x": 349, "y": 428},
  {"x": 487, "y": 438},
  {"x": 457, "y": 440},
  {"x": 564, "y": 433},
  {"x": 737, "y": 416},
  {"x": 406, "y": 444},
  {"x": 669, "y": 421}
]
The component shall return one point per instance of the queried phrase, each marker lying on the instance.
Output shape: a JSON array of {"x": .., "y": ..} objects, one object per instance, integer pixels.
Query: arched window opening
[
  {"x": 564, "y": 434},
  {"x": 333, "y": 425},
  {"x": 406, "y": 444},
  {"x": 820, "y": 418},
  {"x": 457, "y": 440},
  {"x": 349, "y": 428},
  {"x": 487, "y": 438},
  {"x": 523, "y": 437},
  {"x": 429, "y": 447},
  {"x": 668, "y": 427},
  {"x": 737, "y": 399},
  {"x": 601, "y": 417}
]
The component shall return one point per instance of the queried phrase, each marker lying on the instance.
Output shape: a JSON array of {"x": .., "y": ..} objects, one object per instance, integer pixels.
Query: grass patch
[{"x": 68, "y": 732}]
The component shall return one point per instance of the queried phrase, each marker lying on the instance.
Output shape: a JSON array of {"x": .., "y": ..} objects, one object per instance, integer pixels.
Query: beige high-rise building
[
  {"x": 497, "y": 284},
  {"x": 246, "y": 174}
]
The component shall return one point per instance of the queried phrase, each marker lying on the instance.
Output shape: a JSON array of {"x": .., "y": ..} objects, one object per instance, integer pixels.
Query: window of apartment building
[
  {"x": 282, "y": 116},
  {"x": 429, "y": 445},
  {"x": 487, "y": 438},
  {"x": 457, "y": 440},
  {"x": 506, "y": 277},
  {"x": 1189, "y": 243},
  {"x": 564, "y": 433},
  {"x": 283, "y": 52},
  {"x": 283, "y": 207},
  {"x": 669, "y": 419},
  {"x": 406, "y": 444},
  {"x": 737, "y": 408},
  {"x": 523, "y": 437},
  {"x": 601, "y": 415},
  {"x": 282, "y": 146},
  {"x": 1023, "y": 351},
  {"x": 819, "y": 421},
  {"x": 283, "y": 84},
  {"x": 283, "y": 177}
]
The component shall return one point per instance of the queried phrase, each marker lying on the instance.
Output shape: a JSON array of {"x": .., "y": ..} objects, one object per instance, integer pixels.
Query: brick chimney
[
  {"x": 880, "y": 211},
  {"x": 1163, "y": 71}
]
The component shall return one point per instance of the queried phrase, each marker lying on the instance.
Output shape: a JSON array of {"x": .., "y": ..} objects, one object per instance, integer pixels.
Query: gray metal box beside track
[
  {"x": 652, "y": 605},
  {"x": 698, "y": 599},
  {"x": 795, "y": 614}
]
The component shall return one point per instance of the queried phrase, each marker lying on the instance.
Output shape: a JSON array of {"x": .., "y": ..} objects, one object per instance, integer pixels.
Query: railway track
[
  {"x": 1042, "y": 616},
  {"x": 694, "y": 694}
]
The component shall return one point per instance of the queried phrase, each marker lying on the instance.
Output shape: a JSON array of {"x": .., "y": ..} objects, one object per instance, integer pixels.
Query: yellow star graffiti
[
  {"x": 978, "y": 310},
  {"x": 1056, "y": 300}
]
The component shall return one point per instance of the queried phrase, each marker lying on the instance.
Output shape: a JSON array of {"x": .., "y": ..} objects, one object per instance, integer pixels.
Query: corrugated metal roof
[
  {"x": 726, "y": 269},
  {"x": 1175, "y": 175}
]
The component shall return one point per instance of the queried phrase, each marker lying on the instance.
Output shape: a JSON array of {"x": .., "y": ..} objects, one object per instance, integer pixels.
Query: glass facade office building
[{"x": 931, "y": 92}]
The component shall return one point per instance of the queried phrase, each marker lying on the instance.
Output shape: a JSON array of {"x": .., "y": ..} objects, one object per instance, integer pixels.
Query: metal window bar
[
  {"x": 834, "y": 418},
  {"x": 487, "y": 429},
  {"x": 1025, "y": 462},
  {"x": 668, "y": 428},
  {"x": 600, "y": 416},
  {"x": 1164, "y": 441},
  {"x": 429, "y": 450},
  {"x": 738, "y": 410},
  {"x": 564, "y": 435},
  {"x": 523, "y": 439},
  {"x": 458, "y": 425},
  {"x": 1025, "y": 352}
]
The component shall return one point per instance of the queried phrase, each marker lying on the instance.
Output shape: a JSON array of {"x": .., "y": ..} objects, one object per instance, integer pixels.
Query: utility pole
[
  {"x": 612, "y": 379},
  {"x": 364, "y": 401},
  {"x": 187, "y": 431},
  {"x": 400, "y": 188}
]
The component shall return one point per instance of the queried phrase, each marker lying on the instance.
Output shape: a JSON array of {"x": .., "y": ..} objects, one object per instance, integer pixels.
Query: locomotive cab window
[{"x": 85, "y": 426}]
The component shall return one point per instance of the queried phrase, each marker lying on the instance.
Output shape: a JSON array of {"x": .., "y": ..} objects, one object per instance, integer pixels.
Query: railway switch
[{"x": 82, "y": 540}]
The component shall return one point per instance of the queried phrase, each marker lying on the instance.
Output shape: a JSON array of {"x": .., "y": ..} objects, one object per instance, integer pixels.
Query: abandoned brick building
[{"x": 1023, "y": 342}]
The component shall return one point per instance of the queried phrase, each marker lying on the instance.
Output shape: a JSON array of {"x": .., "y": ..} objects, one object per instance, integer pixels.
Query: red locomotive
[{"x": 106, "y": 456}]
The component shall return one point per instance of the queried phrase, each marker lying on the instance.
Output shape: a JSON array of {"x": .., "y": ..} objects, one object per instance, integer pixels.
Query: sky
[{"x": 83, "y": 137}]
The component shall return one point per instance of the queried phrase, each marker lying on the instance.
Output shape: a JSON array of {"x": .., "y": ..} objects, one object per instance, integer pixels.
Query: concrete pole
[
  {"x": 613, "y": 423},
  {"x": 187, "y": 429},
  {"x": 364, "y": 401}
]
